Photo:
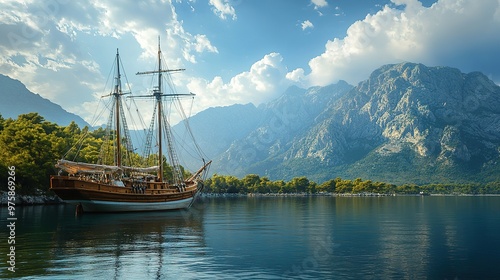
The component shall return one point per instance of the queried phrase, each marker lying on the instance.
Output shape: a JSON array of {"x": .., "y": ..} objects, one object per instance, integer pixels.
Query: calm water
[{"x": 265, "y": 238}]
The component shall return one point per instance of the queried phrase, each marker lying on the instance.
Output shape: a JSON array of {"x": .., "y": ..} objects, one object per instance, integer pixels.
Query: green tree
[
  {"x": 344, "y": 186},
  {"x": 328, "y": 186},
  {"x": 234, "y": 185},
  {"x": 218, "y": 184},
  {"x": 30, "y": 144},
  {"x": 298, "y": 184},
  {"x": 2, "y": 121},
  {"x": 274, "y": 186},
  {"x": 312, "y": 188},
  {"x": 251, "y": 182},
  {"x": 408, "y": 189}
]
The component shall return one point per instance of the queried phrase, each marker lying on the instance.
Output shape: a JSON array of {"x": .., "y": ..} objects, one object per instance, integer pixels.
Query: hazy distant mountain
[
  {"x": 16, "y": 99},
  {"x": 284, "y": 120},
  {"x": 214, "y": 130},
  {"x": 406, "y": 123}
]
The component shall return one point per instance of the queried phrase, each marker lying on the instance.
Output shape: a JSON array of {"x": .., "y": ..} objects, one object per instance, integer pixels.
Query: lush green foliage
[
  {"x": 254, "y": 184},
  {"x": 34, "y": 145}
]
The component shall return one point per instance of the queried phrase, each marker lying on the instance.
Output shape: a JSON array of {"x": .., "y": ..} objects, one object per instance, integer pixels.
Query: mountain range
[
  {"x": 17, "y": 99},
  {"x": 407, "y": 123}
]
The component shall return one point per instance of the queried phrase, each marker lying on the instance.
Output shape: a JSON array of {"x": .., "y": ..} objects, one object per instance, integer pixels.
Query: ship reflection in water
[
  {"x": 118, "y": 246},
  {"x": 421, "y": 237}
]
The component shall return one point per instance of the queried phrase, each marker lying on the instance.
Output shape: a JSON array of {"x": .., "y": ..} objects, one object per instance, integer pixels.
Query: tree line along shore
[{"x": 254, "y": 184}]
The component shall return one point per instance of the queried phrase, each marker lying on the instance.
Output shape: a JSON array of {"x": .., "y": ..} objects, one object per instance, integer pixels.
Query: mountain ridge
[
  {"x": 405, "y": 119},
  {"x": 17, "y": 99},
  {"x": 285, "y": 119}
]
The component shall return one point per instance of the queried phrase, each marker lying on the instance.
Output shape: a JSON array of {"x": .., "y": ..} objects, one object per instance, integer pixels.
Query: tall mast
[
  {"x": 158, "y": 94},
  {"x": 119, "y": 117},
  {"x": 116, "y": 95}
]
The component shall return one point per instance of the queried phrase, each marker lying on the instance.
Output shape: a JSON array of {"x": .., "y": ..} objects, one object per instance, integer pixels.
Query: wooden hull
[{"x": 102, "y": 197}]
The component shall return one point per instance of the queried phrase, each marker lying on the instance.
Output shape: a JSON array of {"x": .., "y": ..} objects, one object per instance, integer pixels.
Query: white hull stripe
[{"x": 111, "y": 206}]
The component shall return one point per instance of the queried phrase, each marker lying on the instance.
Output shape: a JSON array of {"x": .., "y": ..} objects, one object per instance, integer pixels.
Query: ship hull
[
  {"x": 102, "y": 197},
  {"x": 111, "y": 206}
]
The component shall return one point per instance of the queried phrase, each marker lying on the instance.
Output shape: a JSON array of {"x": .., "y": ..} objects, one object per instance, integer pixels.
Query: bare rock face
[{"x": 437, "y": 111}]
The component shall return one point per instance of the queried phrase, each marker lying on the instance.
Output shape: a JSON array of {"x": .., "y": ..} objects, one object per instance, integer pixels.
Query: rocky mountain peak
[
  {"x": 402, "y": 115},
  {"x": 421, "y": 106}
]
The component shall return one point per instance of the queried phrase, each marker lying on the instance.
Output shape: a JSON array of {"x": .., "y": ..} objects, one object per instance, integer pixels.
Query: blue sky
[{"x": 237, "y": 51}]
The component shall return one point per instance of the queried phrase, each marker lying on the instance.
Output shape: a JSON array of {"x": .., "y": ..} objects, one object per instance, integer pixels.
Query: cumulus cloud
[
  {"x": 306, "y": 24},
  {"x": 145, "y": 21},
  {"x": 223, "y": 9},
  {"x": 460, "y": 34},
  {"x": 264, "y": 80},
  {"x": 296, "y": 75},
  {"x": 181, "y": 43},
  {"x": 51, "y": 46},
  {"x": 59, "y": 40}
]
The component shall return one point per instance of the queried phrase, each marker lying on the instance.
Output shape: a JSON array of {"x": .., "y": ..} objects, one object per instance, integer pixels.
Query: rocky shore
[{"x": 30, "y": 199}]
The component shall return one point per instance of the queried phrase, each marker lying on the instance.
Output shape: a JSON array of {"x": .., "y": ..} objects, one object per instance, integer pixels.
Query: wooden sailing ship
[{"x": 118, "y": 187}]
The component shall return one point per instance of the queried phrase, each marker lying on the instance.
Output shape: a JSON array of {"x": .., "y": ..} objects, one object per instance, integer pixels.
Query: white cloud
[
  {"x": 181, "y": 43},
  {"x": 460, "y": 34},
  {"x": 306, "y": 24},
  {"x": 264, "y": 81},
  {"x": 51, "y": 46},
  {"x": 319, "y": 3},
  {"x": 202, "y": 43},
  {"x": 296, "y": 75},
  {"x": 223, "y": 9},
  {"x": 146, "y": 21}
]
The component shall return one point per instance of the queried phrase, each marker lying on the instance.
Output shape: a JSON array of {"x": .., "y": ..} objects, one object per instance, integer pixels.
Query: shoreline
[
  {"x": 215, "y": 195},
  {"x": 30, "y": 200}
]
